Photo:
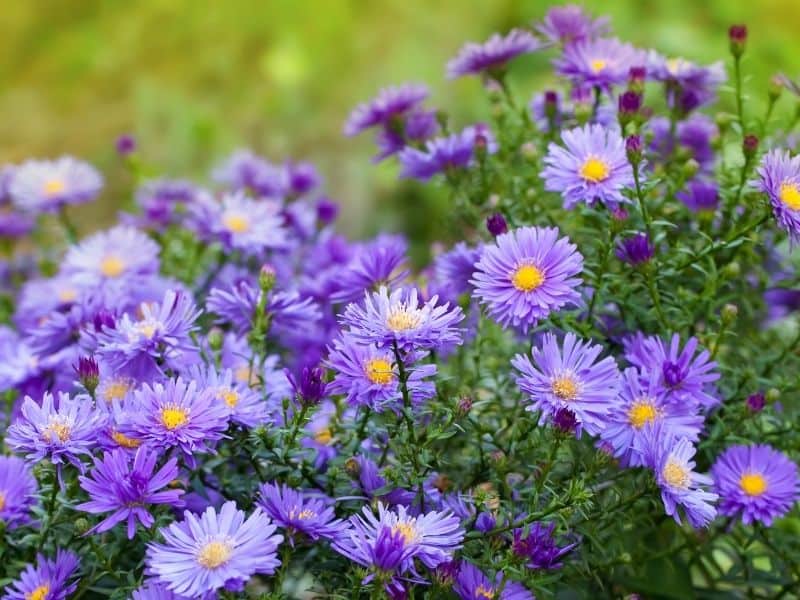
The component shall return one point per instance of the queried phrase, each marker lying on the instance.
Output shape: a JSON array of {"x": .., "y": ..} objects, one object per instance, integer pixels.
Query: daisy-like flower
[
  {"x": 592, "y": 165},
  {"x": 50, "y": 579},
  {"x": 205, "y": 553},
  {"x": 700, "y": 196},
  {"x": 246, "y": 171},
  {"x": 142, "y": 346},
  {"x": 779, "y": 178},
  {"x": 368, "y": 376},
  {"x": 635, "y": 249},
  {"x": 756, "y": 483},
  {"x": 17, "y": 492},
  {"x": 453, "y": 269},
  {"x": 300, "y": 512},
  {"x": 126, "y": 488},
  {"x": 163, "y": 201},
  {"x": 379, "y": 262},
  {"x": 48, "y": 185},
  {"x": 527, "y": 274},
  {"x": 673, "y": 467},
  {"x": 641, "y": 404},
  {"x": 683, "y": 376},
  {"x": 175, "y": 414},
  {"x": 569, "y": 23},
  {"x": 538, "y": 546},
  {"x": 390, "y": 105},
  {"x": 244, "y": 404},
  {"x": 602, "y": 62},
  {"x": 569, "y": 377},
  {"x": 492, "y": 56},
  {"x": 693, "y": 85},
  {"x": 60, "y": 429},
  {"x": 472, "y": 584},
  {"x": 401, "y": 318},
  {"x": 250, "y": 226},
  {"x": 444, "y": 154},
  {"x": 120, "y": 252},
  {"x": 156, "y": 591}
]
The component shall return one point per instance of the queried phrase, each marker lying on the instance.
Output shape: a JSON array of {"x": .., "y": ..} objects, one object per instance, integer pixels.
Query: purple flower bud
[
  {"x": 88, "y": 373},
  {"x": 564, "y": 420},
  {"x": 630, "y": 102},
  {"x": 309, "y": 388},
  {"x": 635, "y": 250},
  {"x": 619, "y": 213},
  {"x": 673, "y": 374},
  {"x": 633, "y": 148},
  {"x": 737, "y": 34},
  {"x": 463, "y": 406},
  {"x": 496, "y": 224},
  {"x": 750, "y": 146},
  {"x": 303, "y": 177},
  {"x": 266, "y": 277},
  {"x": 688, "y": 101},
  {"x": 756, "y": 402},
  {"x": 485, "y": 522},
  {"x": 637, "y": 74},
  {"x": 126, "y": 144},
  {"x": 327, "y": 210}
]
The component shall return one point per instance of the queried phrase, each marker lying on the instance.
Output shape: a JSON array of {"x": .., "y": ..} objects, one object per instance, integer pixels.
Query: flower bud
[
  {"x": 551, "y": 105},
  {"x": 88, "y": 373},
  {"x": 327, "y": 210},
  {"x": 463, "y": 406},
  {"x": 732, "y": 269},
  {"x": 772, "y": 395},
  {"x": 750, "y": 146},
  {"x": 485, "y": 522},
  {"x": 496, "y": 224},
  {"x": 529, "y": 150},
  {"x": 690, "y": 168},
  {"x": 633, "y": 148},
  {"x": 636, "y": 77},
  {"x": 629, "y": 104},
  {"x": 126, "y": 145},
  {"x": 755, "y": 402},
  {"x": 352, "y": 467},
  {"x": 775, "y": 87},
  {"x": 737, "y": 35},
  {"x": 266, "y": 277},
  {"x": 729, "y": 313},
  {"x": 81, "y": 526},
  {"x": 309, "y": 387},
  {"x": 216, "y": 338},
  {"x": 564, "y": 421}
]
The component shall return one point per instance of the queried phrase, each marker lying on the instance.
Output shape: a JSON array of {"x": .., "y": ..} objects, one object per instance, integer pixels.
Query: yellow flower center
[
  {"x": 565, "y": 387},
  {"x": 484, "y": 592},
  {"x": 403, "y": 319},
  {"x": 57, "y": 429},
  {"x": 790, "y": 195},
  {"x": 214, "y": 554},
  {"x": 235, "y": 222},
  {"x": 594, "y": 170},
  {"x": 302, "y": 515},
  {"x": 116, "y": 390},
  {"x": 642, "y": 412},
  {"x": 146, "y": 329},
  {"x": 124, "y": 441},
  {"x": 379, "y": 370},
  {"x": 67, "y": 295},
  {"x": 230, "y": 397},
  {"x": 674, "y": 65},
  {"x": 40, "y": 593},
  {"x": 2, "y": 500},
  {"x": 53, "y": 187},
  {"x": 676, "y": 475},
  {"x": 408, "y": 530},
  {"x": 244, "y": 374},
  {"x": 527, "y": 278},
  {"x": 598, "y": 64},
  {"x": 112, "y": 266},
  {"x": 323, "y": 436},
  {"x": 173, "y": 416},
  {"x": 753, "y": 484}
]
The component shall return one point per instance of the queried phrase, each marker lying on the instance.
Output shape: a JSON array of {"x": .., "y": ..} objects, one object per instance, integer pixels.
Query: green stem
[
  {"x": 738, "y": 81},
  {"x": 51, "y": 507},
  {"x": 642, "y": 205},
  {"x": 69, "y": 228},
  {"x": 652, "y": 287}
]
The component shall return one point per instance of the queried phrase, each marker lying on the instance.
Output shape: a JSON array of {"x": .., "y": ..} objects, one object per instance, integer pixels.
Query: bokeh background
[{"x": 195, "y": 79}]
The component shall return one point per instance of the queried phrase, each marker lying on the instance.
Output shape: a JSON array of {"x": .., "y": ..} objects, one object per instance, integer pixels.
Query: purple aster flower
[
  {"x": 635, "y": 249},
  {"x": 300, "y": 512},
  {"x": 367, "y": 376},
  {"x": 683, "y": 376},
  {"x": 779, "y": 178},
  {"x": 492, "y": 56},
  {"x": 569, "y": 23},
  {"x": 671, "y": 461},
  {"x": 700, "y": 196},
  {"x": 48, "y": 580},
  {"x": 206, "y": 553},
  {"x": 697, "y": 133},
  {"x": 527, "y": 274},
  {"x": 444, "y": 154},
  {"x": 416, "y": 126},
  {"x": 642, "y": 403},
  {"x": 244, "y": 405},
  {"x": 126, "y": 487},
  {"x": 143, "y": 346},
  {"x": 162, "y": 201},
  {"x": 453, "y": 269},
  {"x": 381, "y": 261},
  {"x": 308, "y": 387},
  {"x": 156, "y": 591},
  {"x": 691, "y": 85},
  {"x": 117, "y": 253},
  {"x": 15, "y": 225},
  {"x": 17, "y": 492},
  {"x": 536, "y": 544},
  {"x": 243, "y": 224},
  {"x": 602, "y": 62},
  {"x": 472, "y": 584},
  {"x": 757, "y": 483},
  {"x": 592, "y": 166},
  {"x": 246, "y": 171},
  {"x": 390, "y": 104},
  {"x": 400, "y": 318},
  {"x": 61, "y": 429},
  {"x": 49, "y": 185},
  {"x": 569, "y": 377},
  {"x": 175, "y": 414}
]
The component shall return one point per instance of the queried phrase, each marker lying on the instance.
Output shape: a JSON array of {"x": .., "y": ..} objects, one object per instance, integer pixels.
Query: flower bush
[{"x": 590, "y": 391}]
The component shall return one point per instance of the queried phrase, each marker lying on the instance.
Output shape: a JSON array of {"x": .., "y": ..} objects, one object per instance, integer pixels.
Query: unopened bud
[
  {"x": 463, "y": 406},
  {"x": 352, "y": 467},
  {"x": 266, "y": 277},
  {"x": 216, "y": 338},
  {"x": 690, "y": 168},
  {"x": 772, "y": 395},
  {"x": 737, "y": 35},
  {"x": 496, "y": 224},
  {"x": 633, "y": 148},
  {"x": 81, "y": 525},
  {"x": 732, "y": 269},
  {"x": 775, "y": 87},
  {"x": 729, "y": 313},
  {"x": 750, "y": 146}
]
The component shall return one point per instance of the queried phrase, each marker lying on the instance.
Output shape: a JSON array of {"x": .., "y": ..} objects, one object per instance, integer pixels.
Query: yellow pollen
[
  {"x": 323, "y": 436},
  {"x": 642, "y": 412},
  {"x": 146, "y": 329},
  {"x": 67, "y": 295},
  {"x": 124, "y": 441},
  {"x": 235, "y": 223},
  {"x": 214, "y": 554},
  {"x": 116, "y": 390},
  {"x": 112, "y": 266},
  {"x": 53, "y": 187},
  {"x": 173, "y": 416},
  {"x": 379, "y": 370},
  {"x": 790, "y": 195},
  {"x": 2, "y": 500},
  {"x": 230, "y": 398},
  {"x": 598, "y": 64},
  {"x": 565, "y": 387},
  {"x": 243, "y": 374},
  {"x": 40, "y": 593},
  {"x": 403, "y": 319},
  {"x": 674, "y": 65},
  {"x": 594, "y": 170},
  {"x": 676, "y": 475},
  {"x": 302, "y": 515},
  {"x": 527, "y": 278},
  {"x": 483, "y": 592},
  {"x": 407, "y": 530},
  {"x": 57, "y": 429},
  {"x": 753, "y": 484}
]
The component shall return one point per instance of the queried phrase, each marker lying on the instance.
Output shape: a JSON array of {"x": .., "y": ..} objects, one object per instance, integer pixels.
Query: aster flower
[
  {"x": 15, "y": 225},
  {"x": 444, "y": 154},
  {"x": 300, "y": 512},
  {"x": 527, "y": 274},
  {"x": 206, "y": 553},
  {"x": 569, "y": 377},
  {"x": 17, "y": 492},
  {"x": 379, "y": 262},
  {"x": 591, "y": 166},
  {"x": 163, "y": 201},
  {"x": 400, "y": 318},
  {"x": 243, "y": 404},
  {"x": 536, "y": 544},
  {"x": 700, "y": 196},
  {"x": 472, "y": 584},
  {"x": 602, "y": 62},
  {"x": 642, "y": 402},
  {"x": 635, "y": 249},
  {"x": 120, "y": 252},
  {"x": 246, "y": 171},
  {"x": 697, "y": 133},
  {"x": 241, "y": 223},
  {"x": 61, "y": 429},
  {"x": 126, "y": 488},
  {"x": 390, "y": 104},
  {"x": 756, "y": 483},
  {"x": 49, "y": 185},
  {"x": 175, "y": 414},
  {"x": 309, "y": 387},
  {"x": 368, "y": 376},
  {"x": 453, "y": 269},
  {"x": 416, "y": 126},
  {"x": 371, "y": 482},
  {"x": 692, "y": 85},
  {"x": 156, "y": 591},
  {"x": 492, "y": 56},
  {"x": 779, "y": 178},
  {"x": 671, "y": 461},
  {"x": 569, "y": 23},
  {"x": 50, "y": 579}
]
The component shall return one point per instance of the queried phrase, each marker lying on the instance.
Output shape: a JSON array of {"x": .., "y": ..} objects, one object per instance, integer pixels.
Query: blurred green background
[{"x": 194, "y": 80}]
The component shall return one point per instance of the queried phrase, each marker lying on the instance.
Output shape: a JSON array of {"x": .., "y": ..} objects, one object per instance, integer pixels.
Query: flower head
[
  {"x": 443, "y": 154},
  {"x": 493, "y": 55},
  {"x": 381, "y": 261},
  {"x": 390, "y": 104},
  {"x": 700, "y": 196},
  {"x": 17, "y": 492},
  {"x": 48, "y": 185},
  {"x": 300, "y": 512},
  {"x": 537, "y": 546},
  {"x": 601, "y": 62},
  {"x": 635, "y": 249},
  {"x": 243, "y": 224},
  {"x": 472, "y": 584},
  {"x": 569, "y": 23},
  {"x": 49, "y": 580},
  {"x": 779, "y": 178},
  {"x": 244, "y": 405},
  {"x": 246, "y": 171},
  {"x": 109, "y": 256}
]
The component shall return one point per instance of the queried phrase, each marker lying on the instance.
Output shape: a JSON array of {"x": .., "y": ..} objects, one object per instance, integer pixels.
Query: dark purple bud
[
  {"x": 445, "y": 574},
  {"x": 619, "y": 213},
  {"x": 634, "y": 149},
  {"x": 637, "y": 74},
  {"x": 104, "y": 319},
  {"x": 564, "y": 420},
  {"x": 485, "y": 522},
  {"x": 737, "y": 34},
  {"x": 750, "y": 146},
  {"x": 538, "y": 548},
  {"x": 630, "y": 102},
  {"x": 551, "y": 104},
  {"x": 496, "y": 224},
  {"x": 673, "y": 374},
  {"x": 463, "y": 406},
  {"x": 88, "y": 373},
  {"x": 126, "y": 144},
  {"x": 688, "y": 101},
  {"x": 756, "y": 402},
  {"x": 327, "y": 210},
  {"x": 635, "y": 250},
  {"x": 309, "y": 388}
]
